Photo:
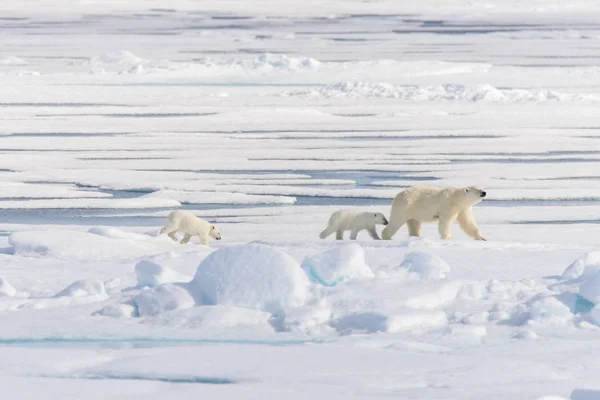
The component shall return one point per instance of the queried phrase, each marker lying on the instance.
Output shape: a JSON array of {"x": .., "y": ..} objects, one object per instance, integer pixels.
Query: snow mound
[
  {"x": 549, "y": 311},
  {"x": 337, "y": 265},
  {"x": 425, "y": 266},
  {"x": 447, "y": 92},
  {"x": 252, "y": 275},
  {"x": 163, "y": 298},
  {"x": 6, "y": 289},
  {"x": 577, "y": 267},
  {"x": 151, "y": 274},
  {"x": 85, "y": 288},
  {"x": 118, "y": 311}
]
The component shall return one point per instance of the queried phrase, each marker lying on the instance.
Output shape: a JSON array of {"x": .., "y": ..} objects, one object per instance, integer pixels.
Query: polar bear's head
[
  {"x": 214, "y": 232},
  {"x": 379, "y": 219},
  {"x": 473, "y": 195}
]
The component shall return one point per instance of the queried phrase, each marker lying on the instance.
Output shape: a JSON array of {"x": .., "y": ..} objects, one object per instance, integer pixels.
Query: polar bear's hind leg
[
  {"x": 354, "y": 233},
  {"x": 445, "y": 226},
  {"x": 186, "y": 238},
  {"x": 328, "y": 231}
]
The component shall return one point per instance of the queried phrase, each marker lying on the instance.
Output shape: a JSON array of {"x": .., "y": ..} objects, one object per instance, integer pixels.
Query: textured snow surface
[{"x": 264, "y": 118}]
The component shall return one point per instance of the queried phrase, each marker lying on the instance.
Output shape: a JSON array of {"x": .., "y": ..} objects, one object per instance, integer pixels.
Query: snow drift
[
  {"x": 337, "y": 265},
  {"x": 251, "y": 275}
]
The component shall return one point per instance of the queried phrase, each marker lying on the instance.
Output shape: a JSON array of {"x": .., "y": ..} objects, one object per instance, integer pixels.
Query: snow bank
[
  {"x": 151, "y": 274},
  {"x": 163, "y": 298},
  {"x": 337, "y": 265},
  {"x": 93, "y": 289},
  {"x": 6, "y": 289},
  {"x": 251, "y": 275},
  {"x": 447, "y": 92},
  {"x": 425, "y": 266},
  {"x": 576, "y": 268}
]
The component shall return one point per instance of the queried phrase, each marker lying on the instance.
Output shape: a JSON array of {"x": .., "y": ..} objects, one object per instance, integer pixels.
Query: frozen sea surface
[{"x": 265, "y": 118}]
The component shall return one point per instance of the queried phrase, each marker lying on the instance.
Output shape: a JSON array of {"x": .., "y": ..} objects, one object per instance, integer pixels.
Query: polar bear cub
[
  {"x": 190, "y": 225},
  {"x": 425, "y": 204},
  {"x": 354, "y": 221}
]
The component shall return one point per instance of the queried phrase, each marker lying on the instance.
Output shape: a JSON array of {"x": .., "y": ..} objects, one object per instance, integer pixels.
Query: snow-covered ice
[{"x": 265, "y": 117}]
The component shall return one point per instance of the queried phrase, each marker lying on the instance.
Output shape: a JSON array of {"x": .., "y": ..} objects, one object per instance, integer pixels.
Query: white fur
[
  {"x": 354, "y": 221},
  {"x": 425, "y": 204},
  {"x": 190, "y": 225}
]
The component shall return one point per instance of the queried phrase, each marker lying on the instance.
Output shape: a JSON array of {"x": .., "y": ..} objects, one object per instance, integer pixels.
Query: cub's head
[
  {"x": 473, "y": 194},
  {"x": 379, "y": 219},
  {"x": 214, "y": 232}
]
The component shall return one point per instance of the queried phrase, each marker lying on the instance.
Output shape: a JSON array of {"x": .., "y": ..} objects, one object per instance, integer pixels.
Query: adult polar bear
[{"x": 425, "y": 204}]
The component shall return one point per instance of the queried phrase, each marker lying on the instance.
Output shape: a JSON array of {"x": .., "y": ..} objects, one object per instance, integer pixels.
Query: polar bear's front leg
[
  {"x": 414, "y": 227},
  {"x": 339, "y": 234},
  {"x": 468, "y": 225},
  {"x": 373, "y": 233},
  {"x": 203, "y": 239},
  {"x": 445, "y": 226},
  {"x": 394, "y": 223}
]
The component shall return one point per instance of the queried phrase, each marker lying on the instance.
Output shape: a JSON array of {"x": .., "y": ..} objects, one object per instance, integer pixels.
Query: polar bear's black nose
[
  {"x": 483, "y": 194},
  {"x": 385, "y": 222}
]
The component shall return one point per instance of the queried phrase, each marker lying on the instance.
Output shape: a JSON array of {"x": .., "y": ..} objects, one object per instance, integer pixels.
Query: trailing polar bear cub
[
  {"x": 354, "y": 221},
  {"x": 424, "y": 204},
  {"x": 190, "y": 225}
]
